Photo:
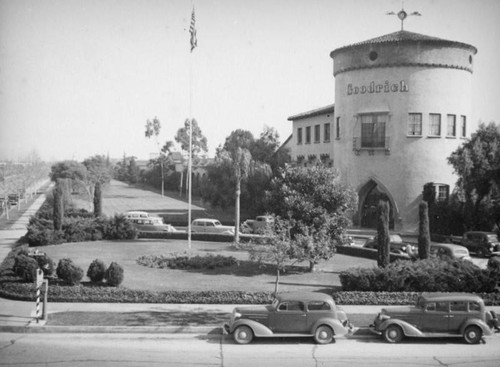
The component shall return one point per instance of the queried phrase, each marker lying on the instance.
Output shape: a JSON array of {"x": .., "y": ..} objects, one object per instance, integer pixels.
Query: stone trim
[{"x": 399, "y": 65}]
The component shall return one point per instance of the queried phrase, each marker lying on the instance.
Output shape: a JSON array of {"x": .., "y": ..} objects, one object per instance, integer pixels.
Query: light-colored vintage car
[
  {"x": 450, "y": 250},
  {"x": 144, "y": 222},
  {"x": 206, "y": 225},
  {"x": 298, "y": 314},
  {"x": 437, "y": 315}
]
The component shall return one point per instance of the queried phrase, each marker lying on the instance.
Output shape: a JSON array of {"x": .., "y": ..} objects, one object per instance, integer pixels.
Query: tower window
[
  {"x": 415, "y": 124},
  {"x": 337, "y": 128},
  {"x": 435, "y": 124},
  {"x": 463, "y": 126},
  {"x": 373, "y": 130},
  {"x": 452, "y": 126}
]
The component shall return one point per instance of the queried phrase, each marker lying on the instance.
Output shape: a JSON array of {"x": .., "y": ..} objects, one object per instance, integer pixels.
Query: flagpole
[{"x": 193, "y": 42}]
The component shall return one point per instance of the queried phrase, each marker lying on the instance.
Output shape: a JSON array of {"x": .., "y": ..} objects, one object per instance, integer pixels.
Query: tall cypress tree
[
  {"x": 58, "y": 204},
  {"x": 97, "y": 200},
  {"x": 424, "y": 236},
  {"x": 383, "y": 234}
]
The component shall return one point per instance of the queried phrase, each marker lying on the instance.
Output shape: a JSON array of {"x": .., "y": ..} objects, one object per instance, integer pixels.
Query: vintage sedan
[
  {"x": 297, "y": 314},
  {"x": 396, "y": 245},
  {"x": 450, "y": 250},
  {"x": 206, "y": 225},
  {"x": 437, "y": 315}
]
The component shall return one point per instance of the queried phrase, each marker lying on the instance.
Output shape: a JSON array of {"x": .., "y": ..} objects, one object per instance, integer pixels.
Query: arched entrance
[{"x": 369, "y": 196}]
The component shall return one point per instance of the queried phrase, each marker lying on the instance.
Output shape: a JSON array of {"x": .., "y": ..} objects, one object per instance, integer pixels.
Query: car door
[
  {"x": 289, "y": 317},
  {"x": 435, "y": 317},
  {"x": 459, "y": 313}
]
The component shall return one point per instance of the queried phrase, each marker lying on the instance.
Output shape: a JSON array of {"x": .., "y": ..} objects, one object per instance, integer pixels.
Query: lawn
[{"x": 245, "y": 277}]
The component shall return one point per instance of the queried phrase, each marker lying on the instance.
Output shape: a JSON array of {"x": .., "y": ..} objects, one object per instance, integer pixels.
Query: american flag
[{"x": 192, "y": 31}]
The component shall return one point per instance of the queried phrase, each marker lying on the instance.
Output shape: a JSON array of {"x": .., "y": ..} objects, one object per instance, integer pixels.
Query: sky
[{"x": 82, "y": 77}]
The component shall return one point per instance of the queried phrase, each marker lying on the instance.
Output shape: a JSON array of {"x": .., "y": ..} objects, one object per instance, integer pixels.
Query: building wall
[{"x": 318, "y": 149}]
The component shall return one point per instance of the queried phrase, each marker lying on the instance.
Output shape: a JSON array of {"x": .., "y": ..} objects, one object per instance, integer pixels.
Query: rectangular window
[
  {"x": 415, "y": 124},
  {"x": 317, "y": 130},
  {"x": 463, "y": 126},
  {"x": 373, "y": 130},
  {"x": 452, "y": 126},
  {"x": 435, "y": 124},
  {"x": 299, "y": 135},
  {"x": 308, "y": 134},
  {"x": 442, "y": 194},
  {"x": 338, "y": 128},
  {"x": 327, "y": 132}
]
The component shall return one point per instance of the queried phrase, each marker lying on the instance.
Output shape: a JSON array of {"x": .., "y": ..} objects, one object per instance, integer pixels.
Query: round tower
[{"x": 402, "y": 106}]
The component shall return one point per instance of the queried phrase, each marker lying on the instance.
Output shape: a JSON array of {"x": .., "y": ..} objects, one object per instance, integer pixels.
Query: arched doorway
[{"x": 369, "y": 196}]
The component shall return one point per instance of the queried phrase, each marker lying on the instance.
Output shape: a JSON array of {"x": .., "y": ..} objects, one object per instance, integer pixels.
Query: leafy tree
[
  {"x": 98, "y": 169},
  {"x": 424, "y": 236},
  {"x": 198, "y": 140},
  {"x": 318, "y": 202},
  {"x": 74, "y": 171},
  {"x": 477, "y": 164},
  {"x": 58, "y": 204},
  {"x": 383, "y": 234},
  {"x": 153, "y": 130},
  {"x": 275, "y": 247}
]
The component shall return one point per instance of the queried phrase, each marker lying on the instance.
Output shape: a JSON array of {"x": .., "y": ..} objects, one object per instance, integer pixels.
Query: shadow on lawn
[{"x": 140, "y": 318}]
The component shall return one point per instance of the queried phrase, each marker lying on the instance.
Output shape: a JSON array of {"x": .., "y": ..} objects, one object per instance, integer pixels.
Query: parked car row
[{"x": 304, "y": 314}]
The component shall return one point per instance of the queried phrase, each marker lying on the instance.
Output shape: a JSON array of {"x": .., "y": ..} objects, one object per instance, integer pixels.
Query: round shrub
[
  {"x": 114, "y": 274},
  {"x": 45, "y": 263},
  {"x": 25, "y": 267},
  {"x": 96, "y": 271},
  {"x": 69, "y": 272}
]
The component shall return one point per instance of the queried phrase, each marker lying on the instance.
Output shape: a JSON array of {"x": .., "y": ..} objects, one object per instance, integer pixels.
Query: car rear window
[
  {"x": 458, "y": 306},
  {"x": 318, "y": 306}
]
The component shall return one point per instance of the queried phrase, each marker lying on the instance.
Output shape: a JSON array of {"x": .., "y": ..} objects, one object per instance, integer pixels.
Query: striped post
[{"x": 37, "y": 303}]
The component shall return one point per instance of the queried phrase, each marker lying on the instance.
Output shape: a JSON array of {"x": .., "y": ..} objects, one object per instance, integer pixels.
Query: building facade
[{"x": 402, "y": 106}]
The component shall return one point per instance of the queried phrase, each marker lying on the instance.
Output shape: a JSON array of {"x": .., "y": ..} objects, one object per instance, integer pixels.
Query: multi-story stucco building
[{"x": 402, "y": 106}]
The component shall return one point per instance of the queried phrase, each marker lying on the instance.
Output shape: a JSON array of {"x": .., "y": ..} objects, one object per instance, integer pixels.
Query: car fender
[
  {"x": 408, "y": 329},
  {"x": 336, "y": 325},
  {"x": 257, "y": 328},
  {"x": 476, "y": 322}
]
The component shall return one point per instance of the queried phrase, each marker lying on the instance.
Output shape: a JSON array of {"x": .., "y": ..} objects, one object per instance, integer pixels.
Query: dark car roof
[
  {"x": 443, "y": 297},
  {"x": 304, "y": 296}
]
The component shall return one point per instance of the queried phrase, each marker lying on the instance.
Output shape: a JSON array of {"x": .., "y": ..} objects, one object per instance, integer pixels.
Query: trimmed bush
[
  {"x": 45, "y": 263},
  {"x": 25, "y": 267},
  {"x": 114, "y": 274},
  {"x": 69, "y": 272},
  {"x": 119, "y": 228},
  {"x": 185, "y": 262},
  {"x": 96, "y": 271},
  {"x": 429, "y": 275}
]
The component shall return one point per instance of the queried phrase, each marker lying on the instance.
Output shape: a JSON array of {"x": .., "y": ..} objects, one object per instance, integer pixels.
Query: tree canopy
[
  {"x": 318, "y": 202},
  {"x": 477, "y": 164}
]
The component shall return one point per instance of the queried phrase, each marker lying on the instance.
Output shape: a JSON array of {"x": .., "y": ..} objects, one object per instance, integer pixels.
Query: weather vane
[{"x": 402, "y": 15}]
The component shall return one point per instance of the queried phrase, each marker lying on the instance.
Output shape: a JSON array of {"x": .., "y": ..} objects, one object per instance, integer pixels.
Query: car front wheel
[
  {"x": 243, "y": 335},
  {"x": 393, "y": 334},
  {"x": 473, "y": 334},
  {"x": 323, "y": 335}
]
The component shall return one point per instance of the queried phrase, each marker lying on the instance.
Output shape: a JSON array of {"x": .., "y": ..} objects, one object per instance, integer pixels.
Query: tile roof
[
  {"x": 406, "y": 37},
  {"x": 316, "y": 112}
]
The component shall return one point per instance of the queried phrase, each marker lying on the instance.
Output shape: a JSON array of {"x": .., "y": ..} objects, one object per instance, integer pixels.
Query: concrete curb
[{"x": 211, "y": 331}]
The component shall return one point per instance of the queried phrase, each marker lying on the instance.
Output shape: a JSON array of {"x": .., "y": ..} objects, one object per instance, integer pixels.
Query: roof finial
[{"x": 402, "y": 14}]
